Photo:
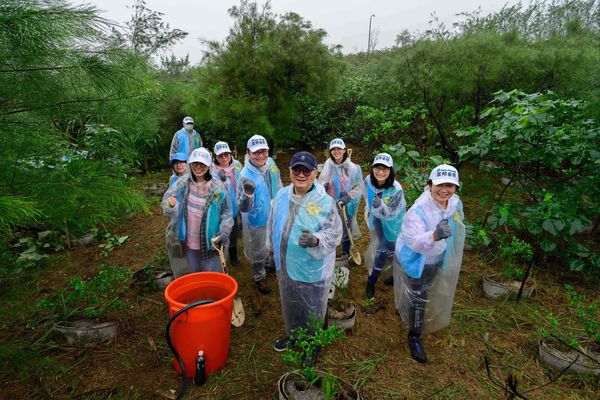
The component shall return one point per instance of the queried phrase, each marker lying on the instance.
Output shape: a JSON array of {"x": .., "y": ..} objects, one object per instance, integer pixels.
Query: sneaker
[
  {"x": 370, "y": 290},
  {"x": 417, "y": 351},
  {"x": 282, "y": 344},
  {"x": 262, "y": 286}
]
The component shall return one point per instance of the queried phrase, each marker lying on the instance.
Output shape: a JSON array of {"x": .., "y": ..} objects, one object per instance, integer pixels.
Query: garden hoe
[
  {"x": 354, "y": 253},
  {"x": 238, "y": 315}
]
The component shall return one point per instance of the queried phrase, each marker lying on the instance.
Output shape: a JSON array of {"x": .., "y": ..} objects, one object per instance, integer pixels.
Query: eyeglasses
[
  {"x": 199, "y": 165},
  {"x": 381, "y": 168},
  {"x": 223, "y": 155},
  {"x": 297, "y": 170},
  {"x": 260, "y": 152}
]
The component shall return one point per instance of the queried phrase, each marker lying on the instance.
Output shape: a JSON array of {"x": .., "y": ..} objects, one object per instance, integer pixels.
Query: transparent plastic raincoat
[
  {"x": 216, "y": 217},
  {"x": 342, "y": 179},
  {"x": 184, "y": 142},
  {"x": 384, "y": 222},
  {"x": 426, "y": 271},
  {"x": 232, "y": 172},
  {"x": 255, "y": 211},
  {"x": 304, "y": 274}
]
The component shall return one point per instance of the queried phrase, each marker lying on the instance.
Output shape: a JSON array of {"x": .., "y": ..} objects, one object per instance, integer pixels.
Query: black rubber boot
[
  {"x": 417, "y": 351},
  {"x": 370, "y": 290},
  {"x": 233, "y": 257}
]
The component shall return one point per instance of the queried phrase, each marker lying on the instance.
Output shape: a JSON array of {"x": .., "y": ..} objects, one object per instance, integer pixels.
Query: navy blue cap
[{"x": 305, "y": 159}]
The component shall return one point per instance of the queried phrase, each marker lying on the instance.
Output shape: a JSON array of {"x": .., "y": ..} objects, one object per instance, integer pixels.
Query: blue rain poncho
[
  {"x": 416, "y": 248},
  {"x": 255, "y": 208},
  {"x": 341, "y": 179},
  {"x": 184, "y": 142},
  {"x": 304, "y": 274},
  {"x": 216, "y": 217},
  {"x": 390, "y": 214}
]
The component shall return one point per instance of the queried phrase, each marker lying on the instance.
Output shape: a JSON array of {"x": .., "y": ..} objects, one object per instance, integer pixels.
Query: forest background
[{"x": 85, "y": 105}]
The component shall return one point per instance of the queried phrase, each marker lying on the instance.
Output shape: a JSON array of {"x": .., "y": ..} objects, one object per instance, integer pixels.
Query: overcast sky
[{"x": 346, "y": 21}]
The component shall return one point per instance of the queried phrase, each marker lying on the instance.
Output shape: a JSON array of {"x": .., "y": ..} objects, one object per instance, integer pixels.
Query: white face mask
[{"x": 189, "y": 127}]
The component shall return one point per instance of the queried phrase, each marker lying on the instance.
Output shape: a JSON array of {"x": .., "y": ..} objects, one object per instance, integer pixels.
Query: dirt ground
[{"x": 374, "y": 356}]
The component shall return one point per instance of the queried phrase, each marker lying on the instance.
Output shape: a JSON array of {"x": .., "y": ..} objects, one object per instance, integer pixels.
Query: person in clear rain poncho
[
  {"x": 258, "y": 183},
  {"x": 304, "y": 230},
  {"x": 342, "y": 180},
  {"x": 186, "y": 139},
  {"x": 428, "y": 257},
  {"x": 384, "y": 211},
  {"x": 228, "y": 169},
  {"x": 199, "y": 209},
  {"x": 179, "y": 166}
]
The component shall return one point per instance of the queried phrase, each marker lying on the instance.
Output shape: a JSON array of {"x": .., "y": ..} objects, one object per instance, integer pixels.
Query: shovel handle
[{"x": 219, "y": 250}]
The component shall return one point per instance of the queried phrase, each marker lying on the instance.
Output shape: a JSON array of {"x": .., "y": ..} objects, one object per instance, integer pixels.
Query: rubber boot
[
  {"x": 233, "y": 257},
  {"x": 417, "y": 351}
]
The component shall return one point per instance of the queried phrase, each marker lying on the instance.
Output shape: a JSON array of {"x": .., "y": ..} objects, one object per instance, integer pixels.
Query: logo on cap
[
  {"x": 255, "y": 142},
  {"x": 446, "y": 172}
]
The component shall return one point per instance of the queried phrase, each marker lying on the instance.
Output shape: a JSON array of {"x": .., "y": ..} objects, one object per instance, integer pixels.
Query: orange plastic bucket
[{"x": 206, "y": 327}]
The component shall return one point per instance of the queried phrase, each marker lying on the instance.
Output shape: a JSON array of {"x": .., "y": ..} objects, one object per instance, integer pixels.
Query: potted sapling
[
  {"x": 514, "y": 256},
  {"x": 573, "y": 345},
  {"x": 304, "y": 382},
  {"x": 83, "y": 312}
]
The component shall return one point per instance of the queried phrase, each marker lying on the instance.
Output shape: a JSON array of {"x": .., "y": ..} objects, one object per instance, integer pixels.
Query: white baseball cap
[
  {"x": 444, "y": 174},
  {"x": 220, "y": 148},
  {"x": 384, "y": 159},
  {"x": 256, "y": 143},
  {"x": 201, "y": 155},
  {"x": 188, "y": 120},
  {"x": 337, "y": 142}
]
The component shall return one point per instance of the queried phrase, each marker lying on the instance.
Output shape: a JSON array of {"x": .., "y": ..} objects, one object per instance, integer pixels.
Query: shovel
[
  {"x": 238, "y": 315},
  {"x": 354, "y": 253}
]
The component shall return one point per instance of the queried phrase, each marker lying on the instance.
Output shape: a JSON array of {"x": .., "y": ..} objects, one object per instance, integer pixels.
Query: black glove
[
  {"x": 222, "y": 175},
  {"x": 307, "y": 239},
  {"x": 249, "y": 187},
  {"x": 376, "y": 202},
  {"x": 345, "y": 199},
  {"x": 222, "y": 238},
  {"x": 442, "y": 230}
]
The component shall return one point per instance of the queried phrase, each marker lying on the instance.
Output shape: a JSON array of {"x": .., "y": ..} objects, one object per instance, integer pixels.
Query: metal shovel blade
[
  {"x": 354, "y": 252},
  {"x": 238, "y": 315}
]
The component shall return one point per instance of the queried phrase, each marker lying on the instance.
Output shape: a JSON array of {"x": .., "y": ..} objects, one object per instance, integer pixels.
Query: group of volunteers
[{"x": 296, "y": 229}]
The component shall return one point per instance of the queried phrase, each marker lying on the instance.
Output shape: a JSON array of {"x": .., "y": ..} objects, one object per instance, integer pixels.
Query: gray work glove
[
  {"x": 222, "y": 175},
  {"x": 345, "y": 199},
  {"x": 376, "y": 202},
  {"x": 442, "y": 230},
  {"x": 249, "y": 187},
  {"x": 223, "y": 237},
  {"x": 307, "y": 239}
]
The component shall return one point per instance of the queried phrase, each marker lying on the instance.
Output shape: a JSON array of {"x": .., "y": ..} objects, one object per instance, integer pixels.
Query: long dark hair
[{"x": 389, "y": 182}]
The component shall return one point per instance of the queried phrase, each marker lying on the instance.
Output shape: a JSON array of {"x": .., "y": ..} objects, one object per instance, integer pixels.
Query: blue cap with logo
[{"x": 305, "y": 159}]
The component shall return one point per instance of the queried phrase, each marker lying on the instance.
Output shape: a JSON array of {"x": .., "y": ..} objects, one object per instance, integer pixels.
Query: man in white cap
[
  {"x": 428, "y": 257},
  {"x": 258, "y": 184},
  {"x": 186, "y": 139},
  {"x": 304, "y": 230}
]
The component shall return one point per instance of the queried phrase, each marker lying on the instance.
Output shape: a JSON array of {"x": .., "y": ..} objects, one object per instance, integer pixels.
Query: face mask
[{"x": 189, "y": 127}]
